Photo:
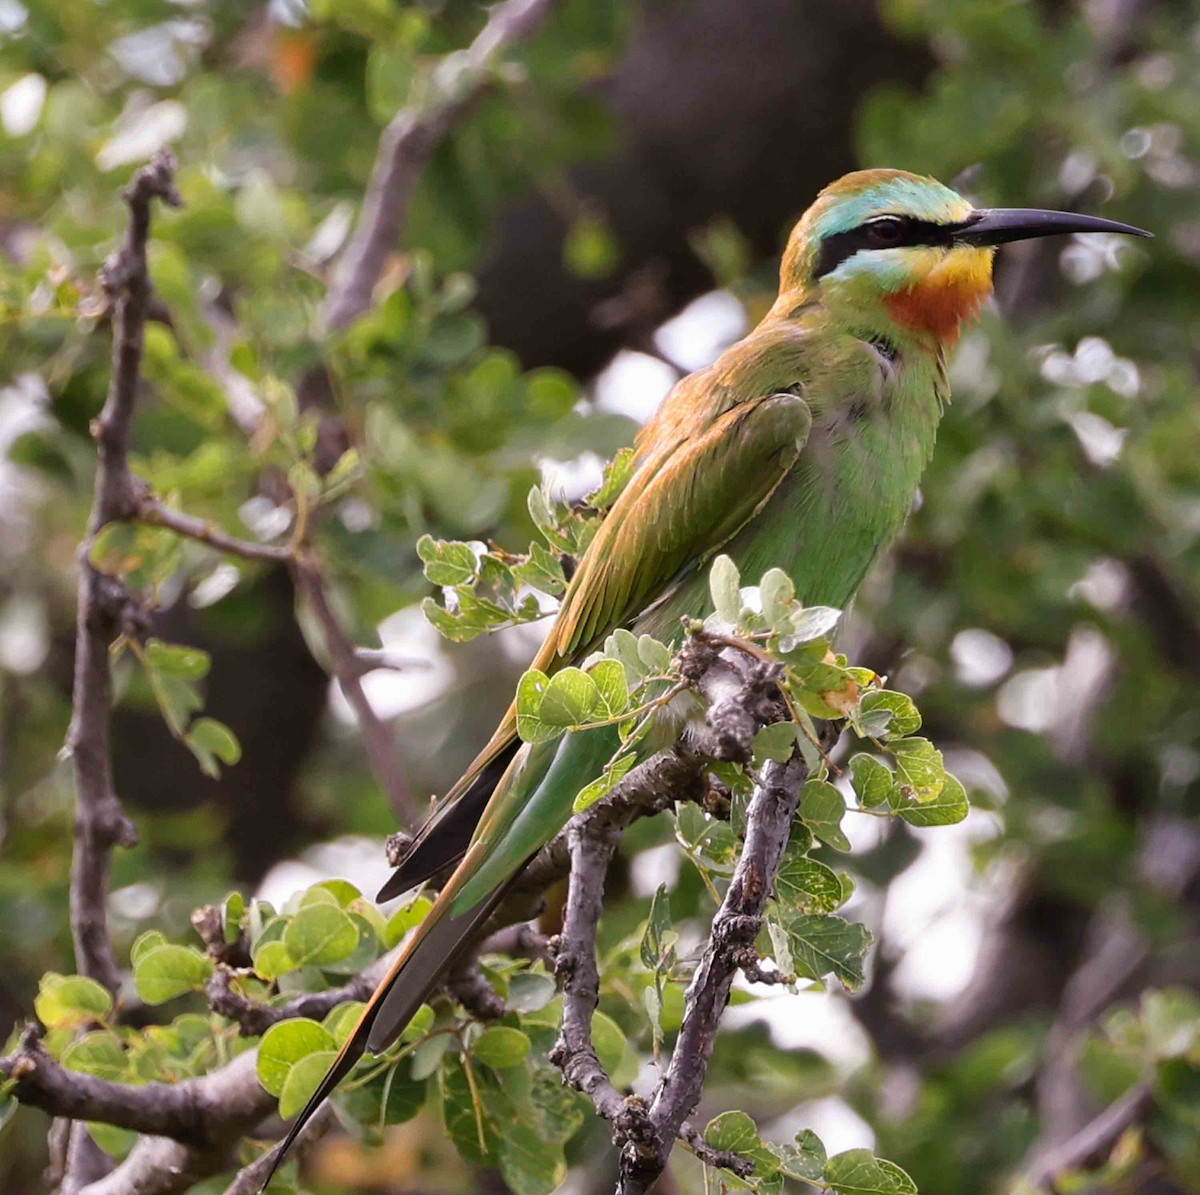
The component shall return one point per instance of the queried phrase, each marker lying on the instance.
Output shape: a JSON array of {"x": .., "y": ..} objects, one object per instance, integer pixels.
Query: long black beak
[{"x": 997, "y": 226}]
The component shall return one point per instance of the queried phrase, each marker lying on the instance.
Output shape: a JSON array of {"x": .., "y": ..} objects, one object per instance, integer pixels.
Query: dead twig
[{"x": 105, "y": 607}]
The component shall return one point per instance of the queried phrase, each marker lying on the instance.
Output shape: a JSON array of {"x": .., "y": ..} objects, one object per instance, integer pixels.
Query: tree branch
[
  {"x": 735, "y": 927},
  {"x": 159, "y": 1109},
  {"x": 1092, "y": 1144},
  {"x": 647, "y": 1134},
  {"x": 154, "y": 512},
  {"x": 348, "y": 669},
  {"x": 105, "y": 606},
  {"x": 406, "y": 146}
]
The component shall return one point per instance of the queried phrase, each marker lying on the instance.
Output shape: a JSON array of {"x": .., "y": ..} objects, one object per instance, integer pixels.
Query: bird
[{"x": 801, "y": 447}]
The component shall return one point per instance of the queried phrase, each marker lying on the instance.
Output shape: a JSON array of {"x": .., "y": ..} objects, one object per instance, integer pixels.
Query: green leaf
[
  {"x": 145, "y": 942},
  {"x": 724, "y": 583},
  {"x": 609, "y": 678},
  {"x": 599, "y": 788},
  {"x": 654, "y": 655},
  {"x": 210, "y": 741},
  {"x": 778, "y": 593},
  {"x": 177, "y": 660},
  {"x": 284, "y": 1045},
  {"x": 622, "y": 646},
  {"x": 550, "y": 393},
  {"x": 466, "y": 1109},
  {"x": 822, "y": 945},
  {"x": 340, "y": 1020},
  {"x": 272, "y": 959},
  {"x": 806, "y": 626},
  {"x": 473, "y": 616},
  {"x": 531, "y": 690},
  {"x": 390, "y": 1098},
  {"x": 557, "y": 1110},
  {"x": 806, "y": 885},
  {"x": 608, "y": 1038},
  {"x": 501, "y": 1046},
  {"x": 904, "y": 715},
  {"x": 528, "y": 1164},
  {"x": 947, "y": 808},
  {"x": 99, "y": 1054},
  {"x": 233, "y": 911},
  {"x": 541, "y": 571},
  {"x": 590, "y": 249},
  {"x": 872, "y": 781},
  {"x": 859, "y": 1172},
  {"x": 822, "y": 807},
  {"x": 571, "y": 699},
  {"x": 452, "y": 339},
  {"x": 617, "y": 473},
  {"x": 405, "y": 918},
  {"x": 69, "y": 1000},
  {"x": 320, "y": 934},
  {"x": 776, "y": 742},
  {"x": 303, "y": 1080},
  {"x": 529, "y": 991},
  {"x": 343, "y": 892},
  {"x": 659, "y": 939},
  {"x": 447, "y": 562},
  {"x": 427, "y": 1056},
  {"x": 804, "y": 1158},
  {"x": 733, "y": 1131},
  {"x": 178, "y": 698},
  {"x": 545, "y": 518},
  {"x": 168, "y": 971},
  {"x": 113, "y": 1141},
  {"x": 920, "y": 769}
]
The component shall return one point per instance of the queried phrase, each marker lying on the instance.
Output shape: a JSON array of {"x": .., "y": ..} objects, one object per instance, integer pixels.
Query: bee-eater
[{"x": 800, "y": 447}]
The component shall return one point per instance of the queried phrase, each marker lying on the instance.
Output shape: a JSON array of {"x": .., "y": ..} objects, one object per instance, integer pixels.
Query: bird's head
[{"x": 895, "y": 252}]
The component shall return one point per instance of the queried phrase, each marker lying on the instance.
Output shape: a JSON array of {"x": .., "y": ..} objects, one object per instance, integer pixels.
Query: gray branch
[
  {"x": 105, "y": 608},
  {"x": 349, "y": 669},
  {"x": 406, "y": 146},
  {"x": 646, "y": 1134},
  {"x": 1092, "y": 1144}
]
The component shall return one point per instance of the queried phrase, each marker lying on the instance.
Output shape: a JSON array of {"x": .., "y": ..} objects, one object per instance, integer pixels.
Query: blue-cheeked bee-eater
[{"x": 800, "y": 447}]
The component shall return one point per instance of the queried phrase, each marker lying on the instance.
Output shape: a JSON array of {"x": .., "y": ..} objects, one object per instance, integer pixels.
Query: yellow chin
[{"x": 946, "y": 289}]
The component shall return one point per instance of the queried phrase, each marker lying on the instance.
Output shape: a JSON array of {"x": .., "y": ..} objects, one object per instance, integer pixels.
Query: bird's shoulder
[{"x": 776, "y": 356}]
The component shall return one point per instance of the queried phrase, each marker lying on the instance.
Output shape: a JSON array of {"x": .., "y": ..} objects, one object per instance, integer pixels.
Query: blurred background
[{"x": 605, "y": 219}]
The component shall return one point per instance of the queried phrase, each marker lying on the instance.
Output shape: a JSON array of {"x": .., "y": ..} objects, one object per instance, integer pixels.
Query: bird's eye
[{"x": 885, "y": 232}]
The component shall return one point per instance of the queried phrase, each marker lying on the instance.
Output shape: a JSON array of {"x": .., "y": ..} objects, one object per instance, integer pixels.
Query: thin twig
[
  {"x": 348, "y": 670},
  {"x": 105, "y": 606},
  {"x": 1092, "y": 1144},
  {"x": 154, "y": 512},
  {"x": 406, "y": 146},
  {"x": 253, "y": 1018}
]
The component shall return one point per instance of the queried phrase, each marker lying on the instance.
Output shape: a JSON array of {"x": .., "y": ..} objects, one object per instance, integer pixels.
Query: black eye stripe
[{"x": 836, "y": 248}]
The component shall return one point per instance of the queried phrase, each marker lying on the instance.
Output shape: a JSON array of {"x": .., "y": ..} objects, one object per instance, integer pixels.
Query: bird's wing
[
  {"x": 664, "y": 525},
  {"x": 700, "y": 496}
]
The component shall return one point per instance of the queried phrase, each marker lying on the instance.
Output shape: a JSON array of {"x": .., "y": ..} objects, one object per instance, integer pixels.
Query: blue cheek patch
[{"x": 887, "y": 270}]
